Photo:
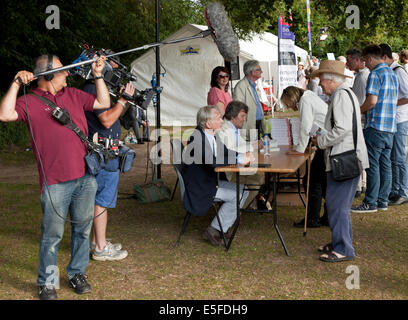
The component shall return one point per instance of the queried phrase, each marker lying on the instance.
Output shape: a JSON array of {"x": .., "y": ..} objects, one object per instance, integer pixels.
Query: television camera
[{"x": 114, "y": 78}]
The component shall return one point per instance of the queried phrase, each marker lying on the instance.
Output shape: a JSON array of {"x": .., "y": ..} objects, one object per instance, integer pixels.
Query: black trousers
[
  {"x": 317, "y": 186},
  {"x": 259, "y": 127},
  {"x": 136, "y": 126}
]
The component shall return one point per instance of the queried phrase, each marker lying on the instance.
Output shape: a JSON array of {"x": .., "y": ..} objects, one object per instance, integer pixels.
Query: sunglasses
[{"x": 222, "y": 76}]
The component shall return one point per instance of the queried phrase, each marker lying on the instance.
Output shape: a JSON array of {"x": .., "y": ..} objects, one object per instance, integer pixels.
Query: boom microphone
[{"x": 223, "y": 35}]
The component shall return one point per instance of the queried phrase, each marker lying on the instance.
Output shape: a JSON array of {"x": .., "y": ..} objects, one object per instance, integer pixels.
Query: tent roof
[{"x": 261, "y": 47}]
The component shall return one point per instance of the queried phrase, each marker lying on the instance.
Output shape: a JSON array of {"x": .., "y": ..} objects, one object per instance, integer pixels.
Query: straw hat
[{"x": 330, "y": 66}]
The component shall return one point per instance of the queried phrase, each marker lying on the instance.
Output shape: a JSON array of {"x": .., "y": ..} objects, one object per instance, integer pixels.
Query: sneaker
[
  {"x": 213, "y": 236},
  {"x": 109, "y": 253},
  {"x": 79, "y": 284},
  {"x": 398, "y": 201},
  {"x": 116, "y": 246},
  {"x": 382, "y": 207},
  {"x": 47, "y": 293},
  {"x": 393, "y": 197},
  {"x": 364, "y": 208}
]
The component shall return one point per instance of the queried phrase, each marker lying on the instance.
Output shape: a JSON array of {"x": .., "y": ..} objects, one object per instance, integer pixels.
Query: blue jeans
[
  {"x": 399, "y": 163},
  {"x": 339, "y": 197},
  {"x": 79, "y": 197},
  {"x": 379, "y": 174}
]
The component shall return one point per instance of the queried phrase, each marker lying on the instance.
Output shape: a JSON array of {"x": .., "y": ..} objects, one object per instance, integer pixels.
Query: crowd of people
[
  {"x": 372, "y": 83},
  {"x": 358, "y": 102}
]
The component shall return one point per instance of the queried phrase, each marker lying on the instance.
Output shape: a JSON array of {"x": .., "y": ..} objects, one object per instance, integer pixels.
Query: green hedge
[{"x": 13, "y": 133}]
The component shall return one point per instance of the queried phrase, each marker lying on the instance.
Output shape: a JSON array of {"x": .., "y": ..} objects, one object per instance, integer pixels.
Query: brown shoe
[{"x": 213, "y": 236}]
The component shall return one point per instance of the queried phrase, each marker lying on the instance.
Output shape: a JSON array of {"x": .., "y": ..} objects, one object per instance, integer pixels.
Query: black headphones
[{"x": 49, "y": 76}]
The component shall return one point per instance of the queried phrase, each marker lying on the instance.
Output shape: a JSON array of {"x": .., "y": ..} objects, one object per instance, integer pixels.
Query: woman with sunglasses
[{"x": 218, "y": 94}]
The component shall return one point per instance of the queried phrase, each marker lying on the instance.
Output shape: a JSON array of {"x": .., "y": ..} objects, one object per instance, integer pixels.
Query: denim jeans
[
  {"x": 399, "y": 163},
  {"x": 339, "y": 197},
  {"x": 379, "y": 174},
  {"x": 77, "y": 196}
]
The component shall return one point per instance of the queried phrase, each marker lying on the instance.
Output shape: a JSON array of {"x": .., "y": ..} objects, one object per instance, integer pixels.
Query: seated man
[
  {"x": 204, "y": 152},
  {"x": 230, "y": 135}
]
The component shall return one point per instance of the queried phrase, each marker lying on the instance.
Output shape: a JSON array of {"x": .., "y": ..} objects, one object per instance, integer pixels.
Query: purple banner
[{"x": 284, "y": 30}]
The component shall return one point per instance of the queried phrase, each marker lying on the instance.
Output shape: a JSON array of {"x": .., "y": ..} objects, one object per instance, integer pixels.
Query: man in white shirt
[
  {"x": 399, "y": 189},
  {"x": 404, "y": 58},
  {"x": 202, "y": 155}
]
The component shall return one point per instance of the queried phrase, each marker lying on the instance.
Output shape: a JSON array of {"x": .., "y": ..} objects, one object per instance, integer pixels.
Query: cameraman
[
  {"x": 64, "y": 182},
  {"x": 106, "y": 124}
]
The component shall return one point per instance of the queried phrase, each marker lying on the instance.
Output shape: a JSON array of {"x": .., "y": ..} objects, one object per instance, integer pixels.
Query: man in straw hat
[
  {"x": 380, "y": 108},
  {"x": 339, "y": 139}
]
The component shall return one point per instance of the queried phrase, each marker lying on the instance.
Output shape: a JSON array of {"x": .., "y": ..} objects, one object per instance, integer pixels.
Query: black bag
[{"x": 346, "y": 165}]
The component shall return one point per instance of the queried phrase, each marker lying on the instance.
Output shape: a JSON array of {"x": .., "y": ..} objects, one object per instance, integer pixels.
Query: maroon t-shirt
[{"x": 62, "y": 151}]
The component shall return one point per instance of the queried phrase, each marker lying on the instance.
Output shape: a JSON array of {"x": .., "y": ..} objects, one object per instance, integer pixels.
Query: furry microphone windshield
[{"x": 225, "y": 38}]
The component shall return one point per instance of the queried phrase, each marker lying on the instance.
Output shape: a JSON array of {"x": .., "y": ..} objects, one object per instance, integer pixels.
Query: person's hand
[
  {"x": 260, "y": 144},
  {"x": 247, "y": 158},
  {"x": 129, "y": 90},
  {"x": 23, "y": 77},
  {"x": 97, "y": 66}
]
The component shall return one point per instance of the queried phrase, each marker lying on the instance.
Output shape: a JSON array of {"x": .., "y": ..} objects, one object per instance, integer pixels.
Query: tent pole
[{"x": 158, "y": 86}]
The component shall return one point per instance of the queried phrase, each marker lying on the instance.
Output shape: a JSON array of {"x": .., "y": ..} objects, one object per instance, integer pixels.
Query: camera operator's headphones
[{"x": 50, "y": 76}]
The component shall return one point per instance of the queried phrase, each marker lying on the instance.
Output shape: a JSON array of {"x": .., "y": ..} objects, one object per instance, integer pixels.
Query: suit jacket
[
  {"x": 243, "y": 92},
  {"x": 198, "y": 173}
]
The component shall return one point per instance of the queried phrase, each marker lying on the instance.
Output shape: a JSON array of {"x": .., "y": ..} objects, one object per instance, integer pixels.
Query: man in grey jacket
[{"x": 246, "y": 91}]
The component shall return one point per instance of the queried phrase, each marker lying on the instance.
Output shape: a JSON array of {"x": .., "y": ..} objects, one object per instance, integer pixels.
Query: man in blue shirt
[
  {"x": 106, "y": 124},
  {"x": 380, "y": 108},
  {"x": 399, "y": 189}
]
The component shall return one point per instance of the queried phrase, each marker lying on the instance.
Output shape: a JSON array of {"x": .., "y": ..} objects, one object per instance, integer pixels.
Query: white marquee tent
[{"x": 187, "y": 70}]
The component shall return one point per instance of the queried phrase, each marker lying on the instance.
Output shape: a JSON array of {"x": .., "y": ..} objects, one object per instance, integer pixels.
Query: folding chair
[{"x": 175, "y": 143}]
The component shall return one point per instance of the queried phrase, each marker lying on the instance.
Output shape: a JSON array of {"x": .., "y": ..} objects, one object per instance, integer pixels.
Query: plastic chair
[{"x": 178, "y": 147}]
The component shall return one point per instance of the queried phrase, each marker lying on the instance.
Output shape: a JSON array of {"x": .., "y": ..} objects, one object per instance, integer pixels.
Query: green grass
[{"x": 256, "y": 266}]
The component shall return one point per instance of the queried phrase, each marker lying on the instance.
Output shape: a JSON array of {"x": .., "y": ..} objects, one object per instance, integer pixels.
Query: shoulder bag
[{"x": 346, "y": 165}]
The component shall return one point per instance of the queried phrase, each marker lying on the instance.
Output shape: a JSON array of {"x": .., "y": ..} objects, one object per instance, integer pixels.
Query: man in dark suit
[{"x": 204, "y": 152}]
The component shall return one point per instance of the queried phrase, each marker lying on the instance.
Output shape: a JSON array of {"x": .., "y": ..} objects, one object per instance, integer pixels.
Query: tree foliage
[
  {"x": 380, "y": 21},
  {"x": 125, "y": 24},
  {"x": 116, "y": 24}
]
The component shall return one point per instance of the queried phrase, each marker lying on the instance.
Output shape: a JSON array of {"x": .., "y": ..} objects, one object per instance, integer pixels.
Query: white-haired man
[
  {"x": 204, "y": 152},
  {"x": 246, "y": 91}
]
